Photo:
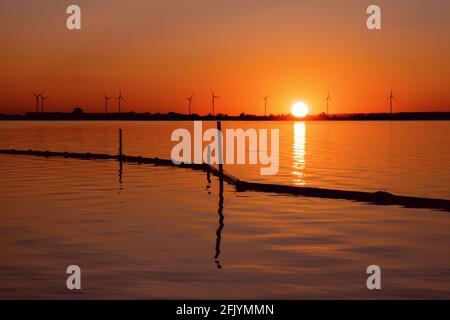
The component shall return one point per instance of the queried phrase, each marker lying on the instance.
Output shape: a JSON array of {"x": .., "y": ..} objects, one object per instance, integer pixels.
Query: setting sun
[{"x": 300, "y": 109}]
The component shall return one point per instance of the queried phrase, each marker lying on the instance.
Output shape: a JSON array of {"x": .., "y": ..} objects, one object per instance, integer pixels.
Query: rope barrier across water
[{"x": 378, "y": 198}]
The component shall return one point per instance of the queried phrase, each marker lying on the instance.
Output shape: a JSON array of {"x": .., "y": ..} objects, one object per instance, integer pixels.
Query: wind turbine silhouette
[
  {"x": 391, "y": 98},
  {"x": 265, "y": 105},
  {"x": 189, "y": 99},
  {"x": 328, "y": 99},
  {"x": 214, "y": 97},
  {"x": 120, "y": 98},
  {"x": 43, "y": 98},
  {"x": 106, "y": 102},
  {"x": 37, "y": 95}
]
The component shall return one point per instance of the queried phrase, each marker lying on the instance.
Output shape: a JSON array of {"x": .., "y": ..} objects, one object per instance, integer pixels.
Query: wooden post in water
[
  {"x": 208, "y": 163},
  {"x": 120, "y": 145},
  {"x": 219, "y": 142},
  {"x": 220, "y": 154}
]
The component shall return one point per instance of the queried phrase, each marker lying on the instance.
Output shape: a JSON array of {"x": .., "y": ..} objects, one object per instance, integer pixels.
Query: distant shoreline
[{"x": 132, "y": 116}]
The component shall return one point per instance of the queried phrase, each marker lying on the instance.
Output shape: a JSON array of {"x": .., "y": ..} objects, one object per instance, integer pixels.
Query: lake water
[{"x": 147, "y": 232}]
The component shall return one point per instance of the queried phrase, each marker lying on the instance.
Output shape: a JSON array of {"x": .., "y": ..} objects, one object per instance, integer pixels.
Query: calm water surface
[
  {"x": 153, "y": 232},
  {"x": 408, "y": 158}
]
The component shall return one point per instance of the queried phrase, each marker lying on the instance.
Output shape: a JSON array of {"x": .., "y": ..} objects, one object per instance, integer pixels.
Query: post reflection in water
[
  {"x": 298, "y": 153},
  {"x": 221, "y": 224},
  {"x": 120, "y": 175}
]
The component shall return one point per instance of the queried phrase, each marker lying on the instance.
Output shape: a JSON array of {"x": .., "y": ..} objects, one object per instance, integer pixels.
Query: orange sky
[{"x": 160, "y": 51}]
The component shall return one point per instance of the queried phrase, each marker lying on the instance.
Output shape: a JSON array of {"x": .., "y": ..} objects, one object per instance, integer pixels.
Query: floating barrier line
[{"x": 378, "y": 198}]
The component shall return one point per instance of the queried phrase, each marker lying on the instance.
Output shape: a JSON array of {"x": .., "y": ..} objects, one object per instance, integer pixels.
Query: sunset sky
[{"x": 161, "y": 51}]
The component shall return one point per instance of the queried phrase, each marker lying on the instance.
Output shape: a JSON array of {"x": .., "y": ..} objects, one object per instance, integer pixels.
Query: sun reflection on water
[{"x": 298, "y": 153}]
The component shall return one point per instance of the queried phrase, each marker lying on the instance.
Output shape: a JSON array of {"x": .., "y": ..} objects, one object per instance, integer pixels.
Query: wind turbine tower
[
  {"x": 391, "y": 99},
  {"x": 106, "y": 102},
  {"x": 120, "y": 98},
  {"x": 189, "y": 99},
  {"x": 214, "y": 97},
  {"x": 43, "y": 98},
  {"x": 37, "y": 96},
  {"x": 328, "y": 99},
  {"x": 265, "y": 105}
]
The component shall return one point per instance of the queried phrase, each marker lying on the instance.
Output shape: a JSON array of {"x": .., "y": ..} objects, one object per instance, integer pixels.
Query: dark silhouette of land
[{"x": 78, "y": 114}]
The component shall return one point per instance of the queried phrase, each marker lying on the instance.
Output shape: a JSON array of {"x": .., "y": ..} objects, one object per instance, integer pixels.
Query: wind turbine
[
  {"x": 106, "y": 102},
  {"x": 265, "y": 105},
  {"x": 190, "y": 102},
  {"x": 391, "y": 98},
  {"x": 43, "y": 98},
  {"x": 214, "y": 97},
  {"x": 328, "y": 99},
  {"x": 120, "y": 98},
  {"x": 37, "y": 95}
]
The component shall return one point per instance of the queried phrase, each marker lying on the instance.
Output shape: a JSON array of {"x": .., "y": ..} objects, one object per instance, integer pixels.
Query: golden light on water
[
  {"x": 300, "y": 109},
  {"x": 298, "y": 153}
]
